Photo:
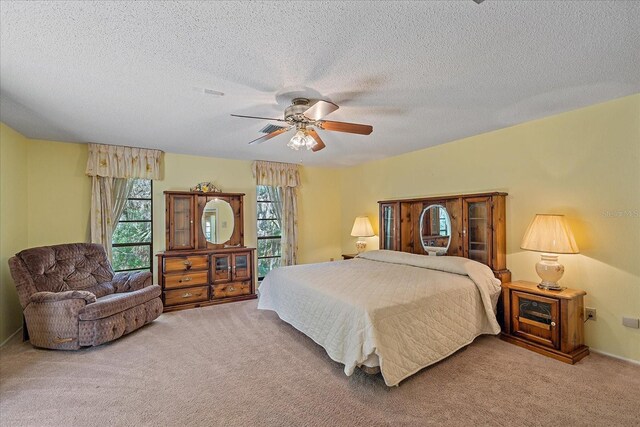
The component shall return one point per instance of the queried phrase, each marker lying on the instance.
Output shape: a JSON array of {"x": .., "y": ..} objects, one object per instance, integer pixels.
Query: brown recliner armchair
[{"x": 71, "y": 298}]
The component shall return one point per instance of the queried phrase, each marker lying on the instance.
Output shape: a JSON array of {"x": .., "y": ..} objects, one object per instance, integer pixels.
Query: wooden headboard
[{"x": 478, "y": 227}]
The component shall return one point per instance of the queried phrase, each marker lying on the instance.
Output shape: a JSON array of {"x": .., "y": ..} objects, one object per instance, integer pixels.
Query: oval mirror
[
  {"x": 435, "y": 229},
  {"x": 217, "y": 221}
]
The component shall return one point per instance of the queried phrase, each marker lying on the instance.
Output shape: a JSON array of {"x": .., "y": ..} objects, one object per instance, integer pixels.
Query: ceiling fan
[{"x": 303, "y": 115}]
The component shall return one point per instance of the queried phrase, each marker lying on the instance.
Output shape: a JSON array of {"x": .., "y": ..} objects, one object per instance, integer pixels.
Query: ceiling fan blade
[
  {"x": 260, "y": 118},
  {"x": 319, "y": 144},
  {"x": 270, "y": 135},
  {"x": 320, "y": 109},
  {"x": 345, "y": 127}
]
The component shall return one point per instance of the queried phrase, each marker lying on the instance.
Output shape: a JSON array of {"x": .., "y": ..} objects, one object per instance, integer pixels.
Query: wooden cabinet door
[
  {"x": 535, "y": 318},
  {"x": 241, "y": 265},
  {"x": 477, "y": 231},
  {"x": 389, "y": 226},
  {"x": 220, "y": 268},
  {"x": 180, "y": 211}
]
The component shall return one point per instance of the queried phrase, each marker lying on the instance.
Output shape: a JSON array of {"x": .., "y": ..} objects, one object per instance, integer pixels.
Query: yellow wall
[
  {"x": 584, "y": 164},
  {"x": 13, "y": 222},
  {"x": 59, "y": 193}
]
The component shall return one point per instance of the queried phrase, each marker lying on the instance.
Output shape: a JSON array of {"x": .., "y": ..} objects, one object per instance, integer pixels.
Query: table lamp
[
  {"x": 549, "y": 234},
  {"x": 362, "y": 228}
]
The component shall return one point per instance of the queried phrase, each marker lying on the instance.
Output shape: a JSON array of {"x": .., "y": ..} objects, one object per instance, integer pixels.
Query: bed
[{"x": 394, "y": 310}]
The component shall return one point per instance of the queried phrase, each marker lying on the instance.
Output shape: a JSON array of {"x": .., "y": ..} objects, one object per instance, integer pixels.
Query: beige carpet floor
[{"x": 235, "y": 365}]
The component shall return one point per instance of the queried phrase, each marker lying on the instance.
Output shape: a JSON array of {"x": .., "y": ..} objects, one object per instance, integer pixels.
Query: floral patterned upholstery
[{"x": 71, "y": 297}]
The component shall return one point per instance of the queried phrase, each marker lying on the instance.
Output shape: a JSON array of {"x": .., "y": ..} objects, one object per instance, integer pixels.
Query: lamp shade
[
  {"x": 362, "y": 227},
  {"x": 549, "y": 233}
]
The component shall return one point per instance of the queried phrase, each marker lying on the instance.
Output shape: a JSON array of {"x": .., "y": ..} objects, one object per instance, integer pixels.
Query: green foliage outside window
[{"x": 132, "y": 237}]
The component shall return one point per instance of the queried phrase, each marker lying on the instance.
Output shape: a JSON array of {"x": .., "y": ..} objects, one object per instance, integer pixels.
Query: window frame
[
  {"x": 259, "y": 238},
  {"x": 149, "y": 243}
]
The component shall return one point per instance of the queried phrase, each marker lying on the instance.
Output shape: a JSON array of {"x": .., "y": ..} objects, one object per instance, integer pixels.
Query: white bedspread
[{"x": 410, "y": 310}]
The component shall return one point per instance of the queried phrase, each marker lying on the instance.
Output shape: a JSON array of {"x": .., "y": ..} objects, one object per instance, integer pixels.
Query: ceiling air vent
[{"x": 271, "y": 128}]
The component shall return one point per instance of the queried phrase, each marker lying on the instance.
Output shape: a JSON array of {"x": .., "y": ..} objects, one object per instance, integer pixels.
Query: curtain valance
[
  {"x": 276, "y": 174},
  {"x": 116, "y": 161}
]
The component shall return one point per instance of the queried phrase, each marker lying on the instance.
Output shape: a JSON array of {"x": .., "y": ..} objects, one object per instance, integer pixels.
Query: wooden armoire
[{"x": 206, "y": 261}]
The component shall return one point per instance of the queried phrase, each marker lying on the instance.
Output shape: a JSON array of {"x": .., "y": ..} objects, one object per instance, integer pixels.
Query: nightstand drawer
[{"x": 535, "y": 318}]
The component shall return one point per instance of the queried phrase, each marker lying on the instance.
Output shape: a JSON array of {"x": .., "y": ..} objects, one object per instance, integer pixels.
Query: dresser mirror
[
  {"x": 217, "y": 221},
  {"x": 435, "y": 229}
]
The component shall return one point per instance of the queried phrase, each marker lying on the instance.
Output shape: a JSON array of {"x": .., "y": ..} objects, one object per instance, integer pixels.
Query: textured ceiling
[{"x": 422, "y": 73}]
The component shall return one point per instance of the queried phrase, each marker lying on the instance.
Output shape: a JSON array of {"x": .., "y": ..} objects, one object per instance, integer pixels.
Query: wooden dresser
[{"x": 207, "y": 262}]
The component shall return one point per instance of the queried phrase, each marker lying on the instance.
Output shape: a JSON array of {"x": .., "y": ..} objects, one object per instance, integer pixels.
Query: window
[
  {"x": 132, "y": 239},
  {"x": 444, "y": 230},
  {"x": 269, "y": 229}
]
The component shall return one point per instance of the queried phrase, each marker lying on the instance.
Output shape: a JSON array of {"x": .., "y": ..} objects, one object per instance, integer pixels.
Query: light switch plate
[{"x": 630, "y": 322}]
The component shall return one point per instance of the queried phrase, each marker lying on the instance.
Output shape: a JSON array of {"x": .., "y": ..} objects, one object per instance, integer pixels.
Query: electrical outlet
[
  {"x": 631, "y": 322},
  {"x": 590, "y": 313}
]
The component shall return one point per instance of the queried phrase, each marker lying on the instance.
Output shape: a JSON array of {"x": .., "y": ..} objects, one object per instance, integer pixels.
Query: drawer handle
[
  {"x": 186, "y": 279},
  {"x": 231, "y": 289},
  {"x": 536, "y": 324},
  {"x": 187, "y": 295},
  {"x": 187, "y": 263}
]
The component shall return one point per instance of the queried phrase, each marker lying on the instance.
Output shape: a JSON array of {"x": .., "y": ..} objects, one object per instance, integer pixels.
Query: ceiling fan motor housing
[{"x": 295, "y": 112}]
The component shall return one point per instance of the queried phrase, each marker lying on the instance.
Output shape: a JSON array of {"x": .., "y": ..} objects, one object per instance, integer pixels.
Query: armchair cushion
[
  {"x": 115, "y": 303},
  {"x": 131, "y": 281},
  {"x": 40, "y": 297},
  {"x": 67, "y": 267}
]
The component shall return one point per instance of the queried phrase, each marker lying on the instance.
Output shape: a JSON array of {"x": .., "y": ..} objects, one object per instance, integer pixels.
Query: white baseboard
[
  {"x": 604, "y": 353},
  {"x": 10, "y": 336}
]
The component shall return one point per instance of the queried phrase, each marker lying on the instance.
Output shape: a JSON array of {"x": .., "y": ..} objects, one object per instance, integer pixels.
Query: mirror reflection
[
  {"x": 435, "y": 229},
  {"x": 217, "y": 221}
]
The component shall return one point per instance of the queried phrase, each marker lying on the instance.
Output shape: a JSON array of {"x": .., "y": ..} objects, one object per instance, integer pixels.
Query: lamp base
[
  {"x": 550, "y": 286},
  {"x": 550, "y": 271},
  {"x": 361, "y": 245}
]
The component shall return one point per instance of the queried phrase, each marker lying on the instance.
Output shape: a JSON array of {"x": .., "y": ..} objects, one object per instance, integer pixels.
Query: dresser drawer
[
  {"x": 231, "y": 289},
  {"x": 185, "y": 263},
  {"x": 186, "y": 295},
  {"x": 186, "y": 278}
]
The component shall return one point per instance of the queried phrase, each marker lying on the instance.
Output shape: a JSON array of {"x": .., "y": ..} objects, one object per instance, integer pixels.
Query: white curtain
[
  {"x": 112, "y": 170},
  {"x": 102, "y": 212},
  {"x": 286, "y": 177},
  {"x": 119, "y": 194}
]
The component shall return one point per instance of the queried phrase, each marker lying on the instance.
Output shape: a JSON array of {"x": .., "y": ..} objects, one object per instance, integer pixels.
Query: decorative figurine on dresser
[{"x": 206, "y": 261}]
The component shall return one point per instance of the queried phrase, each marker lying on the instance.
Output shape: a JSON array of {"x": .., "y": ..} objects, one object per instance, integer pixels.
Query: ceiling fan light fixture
[
  {"x": 298, "y": 141},
  {"x": 309, "y": 142},
  {"x": 301, "y": 140}
]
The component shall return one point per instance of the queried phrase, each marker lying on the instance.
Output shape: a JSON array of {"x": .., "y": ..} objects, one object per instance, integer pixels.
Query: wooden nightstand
[
  {"x": 349, "y": 256},
  {"x": 547, "y": 322}
]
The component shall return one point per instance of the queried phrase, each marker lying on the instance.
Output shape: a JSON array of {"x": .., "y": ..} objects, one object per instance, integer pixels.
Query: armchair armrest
[
  {"x": 40, "y": 297},
  {"x": 131, "y": 281}
]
